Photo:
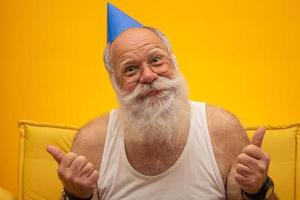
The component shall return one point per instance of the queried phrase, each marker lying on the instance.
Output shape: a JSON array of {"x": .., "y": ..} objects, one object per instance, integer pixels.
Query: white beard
[{"x": 155, "y": 119}]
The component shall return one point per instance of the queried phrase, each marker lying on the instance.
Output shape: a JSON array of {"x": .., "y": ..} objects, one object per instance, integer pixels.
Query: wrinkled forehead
[{"x": 134, "y": 40}]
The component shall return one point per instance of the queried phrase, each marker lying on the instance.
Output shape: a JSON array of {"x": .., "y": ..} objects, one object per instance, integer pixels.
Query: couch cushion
[
  {"x": 6, "y": 195},
  {"x": 38, "y": 176},
  {"x": 280, "y": 144},
  {"x": 37, "y": 170}
]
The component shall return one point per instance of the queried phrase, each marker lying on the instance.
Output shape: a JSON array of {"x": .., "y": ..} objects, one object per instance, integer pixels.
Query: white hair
[{"x": 159, "y": 119}]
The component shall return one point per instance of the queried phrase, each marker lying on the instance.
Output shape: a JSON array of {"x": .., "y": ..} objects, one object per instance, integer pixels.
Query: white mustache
[{"x": 161, "y": 83}]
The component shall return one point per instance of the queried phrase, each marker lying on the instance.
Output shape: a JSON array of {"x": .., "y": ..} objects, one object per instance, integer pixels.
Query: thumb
[
  {"x": 56, "y": 153},
  {"x": 258, "y": 136}
]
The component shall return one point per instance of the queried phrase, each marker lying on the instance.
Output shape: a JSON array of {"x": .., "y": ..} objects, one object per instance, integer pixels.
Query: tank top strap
[
  {"x": 110, "y": 139},
  {"x": 203, "y": 138}
]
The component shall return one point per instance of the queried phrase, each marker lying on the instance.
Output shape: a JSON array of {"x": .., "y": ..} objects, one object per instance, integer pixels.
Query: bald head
[{"x": 134, "y": 42}]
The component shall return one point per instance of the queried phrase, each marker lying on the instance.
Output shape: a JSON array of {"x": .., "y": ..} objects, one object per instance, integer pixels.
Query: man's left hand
[{"x": 252, "y": 165}]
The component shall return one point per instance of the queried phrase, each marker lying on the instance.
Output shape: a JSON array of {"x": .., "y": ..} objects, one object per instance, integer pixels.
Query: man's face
[
  {"x": 138, "y": 56},
  {"x": 151, "y": 91}
]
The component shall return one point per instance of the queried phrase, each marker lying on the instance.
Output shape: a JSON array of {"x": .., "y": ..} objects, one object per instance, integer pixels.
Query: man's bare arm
[
  {"x": 229, "y": 141},
  {"x": 78, "y": 169},
  {"x": 90, "y": 139}
]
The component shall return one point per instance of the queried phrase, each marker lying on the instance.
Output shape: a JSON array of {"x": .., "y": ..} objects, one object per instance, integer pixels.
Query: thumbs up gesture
[
  {"x": 77, "y": 174},
  {"x": 252, "y": 165}
]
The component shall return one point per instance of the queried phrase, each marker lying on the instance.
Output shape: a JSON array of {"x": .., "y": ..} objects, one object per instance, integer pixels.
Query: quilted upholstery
[{"x": 37, "y": 170}]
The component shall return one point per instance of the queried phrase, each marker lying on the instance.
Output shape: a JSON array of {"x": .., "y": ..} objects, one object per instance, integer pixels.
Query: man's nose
[{"x": 147, "y": 76}]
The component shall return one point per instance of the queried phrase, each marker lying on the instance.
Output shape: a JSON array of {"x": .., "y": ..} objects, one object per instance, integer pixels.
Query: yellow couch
[{"x": 37, "y": 170}]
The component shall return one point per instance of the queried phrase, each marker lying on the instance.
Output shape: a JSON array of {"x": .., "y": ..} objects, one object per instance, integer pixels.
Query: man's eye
[
  {"x": 155, "y": 59},
  {"x": 130, "y": 70}
]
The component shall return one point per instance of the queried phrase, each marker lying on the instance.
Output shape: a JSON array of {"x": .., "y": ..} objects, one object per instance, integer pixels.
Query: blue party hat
[{"x": 117, "y": 22}]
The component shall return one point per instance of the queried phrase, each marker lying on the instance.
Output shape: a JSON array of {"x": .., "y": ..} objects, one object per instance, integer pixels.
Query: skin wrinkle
[
  {"x": 131, "y": 43},
  {"x": 107, "y": 50},
  {"x": 132, "y": 60},
  {"x": 136, "y": 50},
  {"x": 149, "y": 53},
  {"x": 137, "y": 55}
]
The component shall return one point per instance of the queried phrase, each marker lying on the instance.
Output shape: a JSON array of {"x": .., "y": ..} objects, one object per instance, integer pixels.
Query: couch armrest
[{"x": 6, "y": 195}]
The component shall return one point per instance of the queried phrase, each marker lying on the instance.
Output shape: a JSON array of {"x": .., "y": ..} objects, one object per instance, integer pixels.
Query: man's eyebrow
[
  {"x": 156, "y": 49},
  {"x": 127, "y": 60}
]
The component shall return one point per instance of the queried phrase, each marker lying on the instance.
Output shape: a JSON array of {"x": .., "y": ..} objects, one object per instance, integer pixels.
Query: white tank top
[{"x": 193, "y": 176}]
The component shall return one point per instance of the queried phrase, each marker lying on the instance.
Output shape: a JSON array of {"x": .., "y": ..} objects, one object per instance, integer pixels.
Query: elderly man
[{"x": 158, "y": 144}]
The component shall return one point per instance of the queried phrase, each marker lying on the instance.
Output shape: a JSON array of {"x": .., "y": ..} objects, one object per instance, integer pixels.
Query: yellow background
[{"x": 241, "y": 55}]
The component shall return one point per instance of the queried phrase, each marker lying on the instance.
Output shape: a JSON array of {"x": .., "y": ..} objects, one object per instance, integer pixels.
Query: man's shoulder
[
  {"x": 97, "y": 126},
  {"x": 228, "y": 137},
  {"x": 225, "y": 126},
  {"x": 221, "y": 119},
  {"x": 90, "y": 139},
  {"x": 92, "y": 134}
]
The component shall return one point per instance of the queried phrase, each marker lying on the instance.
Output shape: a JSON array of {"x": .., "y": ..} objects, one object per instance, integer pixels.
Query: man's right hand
[{"x": 77, "y": 174}]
